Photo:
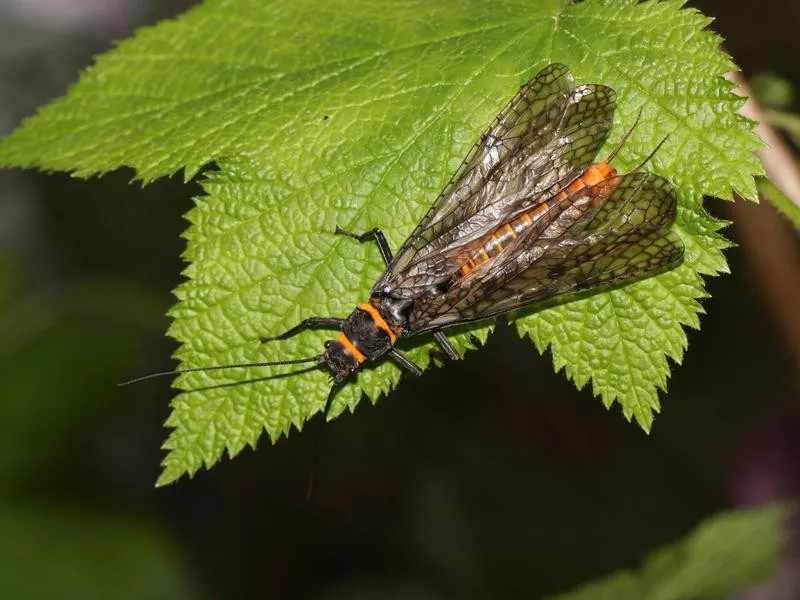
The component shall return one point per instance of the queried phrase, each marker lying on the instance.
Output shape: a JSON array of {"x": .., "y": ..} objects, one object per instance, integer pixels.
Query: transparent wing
[
  {"x": 607, "y": 234},
  {"x": 513, "y": 127},
  {"x": 543, "y": 139}
]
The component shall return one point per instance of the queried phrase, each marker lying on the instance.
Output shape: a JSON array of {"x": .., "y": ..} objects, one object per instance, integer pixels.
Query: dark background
[{"x": 492, "y": 477}]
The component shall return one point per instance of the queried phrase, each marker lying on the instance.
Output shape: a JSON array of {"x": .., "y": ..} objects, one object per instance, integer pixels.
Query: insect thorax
[{"x": 366, "y": 335}]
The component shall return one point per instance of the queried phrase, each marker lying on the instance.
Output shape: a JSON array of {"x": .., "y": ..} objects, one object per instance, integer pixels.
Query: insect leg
[
  {"x": 319, "y": 434},
  {"x": 373, "y": 234},
  {"x": 329, "y": 322},
  {"x": 404, "y": 362},
  {"x": 451, "y": 352}
]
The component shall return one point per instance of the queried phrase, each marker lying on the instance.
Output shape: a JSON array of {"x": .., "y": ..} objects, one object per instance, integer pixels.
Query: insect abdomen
[
  {"x": 504, "y": 235},
  {"x": 497, "y": 242}
]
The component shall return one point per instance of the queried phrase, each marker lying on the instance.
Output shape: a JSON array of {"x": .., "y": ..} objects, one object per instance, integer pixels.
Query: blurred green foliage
[
  {"x": 772, "y": 91},
  {"x": 85, "y": 554},
  {"x": 779, "y": 200},
  {"x": 722, "y": 556},
  {"x": 777, "y": 97},
  {"x": 61, "y": 354}
]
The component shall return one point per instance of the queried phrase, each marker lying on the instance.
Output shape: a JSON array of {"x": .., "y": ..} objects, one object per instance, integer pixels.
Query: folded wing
[
  {"x": 586, "y": 241},
  {"x": 546, "y": 136}
]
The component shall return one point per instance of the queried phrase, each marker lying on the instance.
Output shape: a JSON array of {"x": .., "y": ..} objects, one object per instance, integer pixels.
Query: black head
[{"x": 339, "y": 359}]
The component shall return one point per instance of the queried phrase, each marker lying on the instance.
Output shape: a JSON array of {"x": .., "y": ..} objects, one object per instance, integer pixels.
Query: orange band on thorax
[
  {"x": 380, "y": 322},
  {"x": 357, "y": 354}
]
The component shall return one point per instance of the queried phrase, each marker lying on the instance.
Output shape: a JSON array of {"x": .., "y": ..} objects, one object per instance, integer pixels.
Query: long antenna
[{"x": 319, "y": 358}]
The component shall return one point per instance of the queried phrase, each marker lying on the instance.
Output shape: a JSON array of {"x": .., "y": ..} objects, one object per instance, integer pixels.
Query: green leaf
[
  {"x": 356, "y": 114},
  {"x": 721, "y": 556}
]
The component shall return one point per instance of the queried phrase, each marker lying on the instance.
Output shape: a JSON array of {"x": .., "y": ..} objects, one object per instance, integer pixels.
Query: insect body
[
  {"x": 501, "y": 238},
  {"x": 527, "y": 217}
]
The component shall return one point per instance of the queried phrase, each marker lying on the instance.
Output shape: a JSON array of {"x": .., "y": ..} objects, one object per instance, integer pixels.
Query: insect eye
[{"x": 327, "y": 344}]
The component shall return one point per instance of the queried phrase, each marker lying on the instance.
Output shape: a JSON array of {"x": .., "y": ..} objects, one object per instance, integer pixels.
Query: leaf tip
[{"x": 169, "y": 475}]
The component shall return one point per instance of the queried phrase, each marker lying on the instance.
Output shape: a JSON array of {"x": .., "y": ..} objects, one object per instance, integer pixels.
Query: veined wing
[
  {"x": 511, "y": 129},
  {"x": 586, "y": 241},
  {"x": 545, "y": 137}
]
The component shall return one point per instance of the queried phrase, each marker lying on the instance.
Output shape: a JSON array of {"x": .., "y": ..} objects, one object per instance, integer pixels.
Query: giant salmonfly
[{"x": 527, "y": 217}]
